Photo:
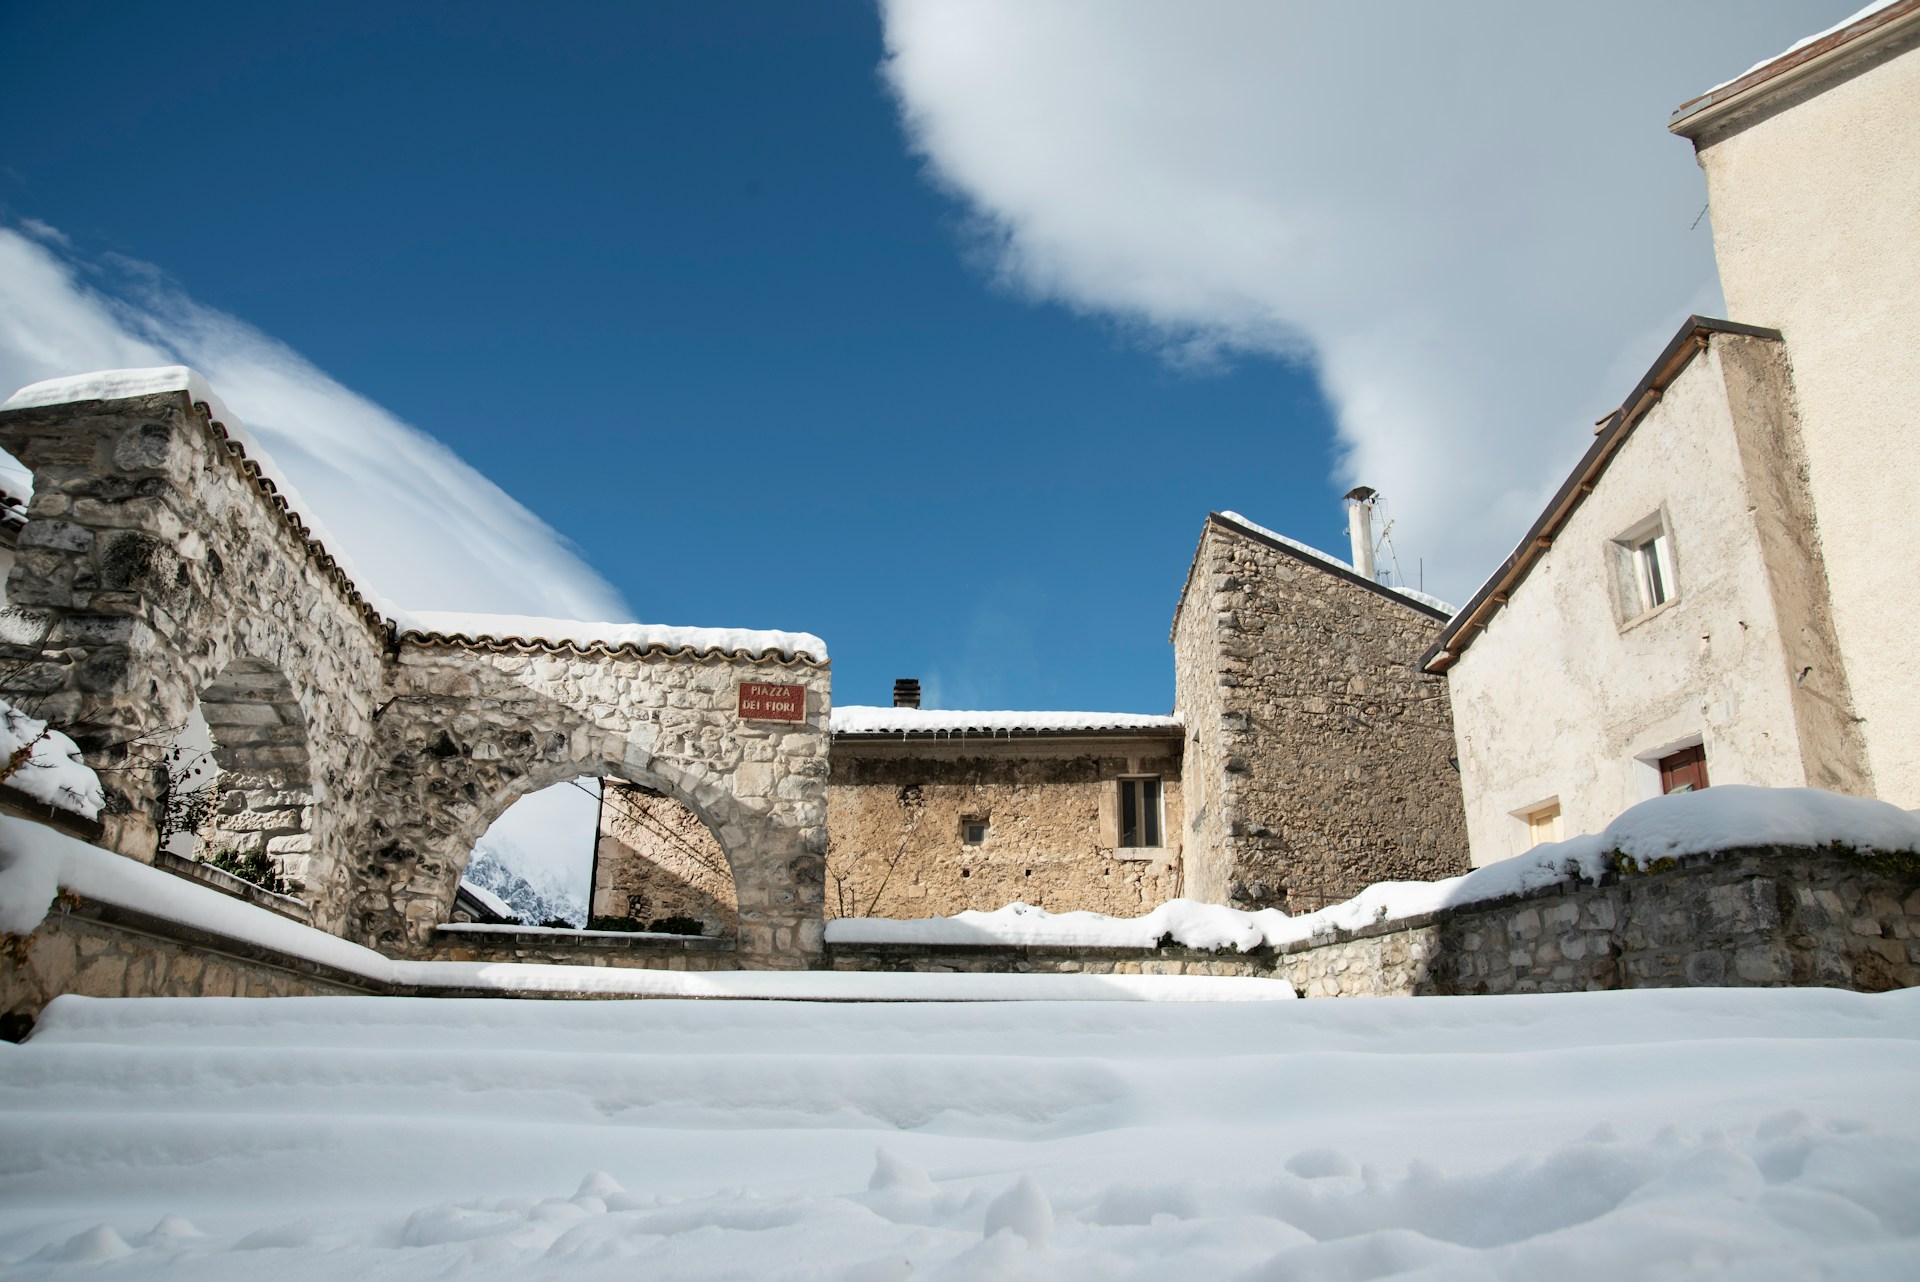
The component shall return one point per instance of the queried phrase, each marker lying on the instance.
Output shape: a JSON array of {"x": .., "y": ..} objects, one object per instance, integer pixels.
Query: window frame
[
  {"x": 1151, "y": 815},
  {"x": 1644, "y": 569}
]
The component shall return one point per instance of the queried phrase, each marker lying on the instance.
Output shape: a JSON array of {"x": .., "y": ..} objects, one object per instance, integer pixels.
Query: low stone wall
[
  {"x": 1767, "y": 917},
  {"x": 588, "y": 948},
  {"x": 96, "y": 950}
]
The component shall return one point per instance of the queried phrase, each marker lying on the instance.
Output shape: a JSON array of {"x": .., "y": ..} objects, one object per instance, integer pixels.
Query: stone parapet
[{"x": 1767, "y": 917}]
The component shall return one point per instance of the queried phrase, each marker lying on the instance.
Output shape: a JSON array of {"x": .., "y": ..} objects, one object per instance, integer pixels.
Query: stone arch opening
[
  {"x": 240, "y": 779},
  {"x": 537, "y": 856},
  {"x": 732, "y": 874},
  {"x": 658, "y": 868}
]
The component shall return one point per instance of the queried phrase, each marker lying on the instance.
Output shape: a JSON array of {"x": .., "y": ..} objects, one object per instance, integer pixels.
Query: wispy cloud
[
  {"x": 426, "y": 529},
  {"x": 1469, "y": 217}
]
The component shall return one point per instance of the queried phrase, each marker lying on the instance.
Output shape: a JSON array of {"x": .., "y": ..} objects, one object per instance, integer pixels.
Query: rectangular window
[
  {"x": 1643, "y": 569},
  {"x": 1684, "y": 771},
  {"x": 973, "y": 831},
  {"x": 1140, "y": 812},
  {"x": 1543, "y": 825}
]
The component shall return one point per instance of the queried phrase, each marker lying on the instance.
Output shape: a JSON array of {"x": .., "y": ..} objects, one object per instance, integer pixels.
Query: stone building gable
[{"x": 1318, "y": 757}]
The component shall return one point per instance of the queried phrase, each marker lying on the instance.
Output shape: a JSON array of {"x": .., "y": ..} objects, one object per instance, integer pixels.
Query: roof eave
[
  {"x": 1859, "y": 40},
  {"x": 1691, "y": 340}
]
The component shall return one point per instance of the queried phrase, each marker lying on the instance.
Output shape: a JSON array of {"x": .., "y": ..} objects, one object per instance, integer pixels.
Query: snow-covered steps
[{"x": 1604, "y": 1135}]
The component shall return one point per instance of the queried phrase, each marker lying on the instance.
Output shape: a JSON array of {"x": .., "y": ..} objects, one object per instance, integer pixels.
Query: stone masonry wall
[
  {"x": 1760, "y": 918},
  {"x": 80, "y": 952},
  {"x": 159, "y": 564},
  {"x": 895, "y": 810},
  {"x": 655, "y": 860},
  {"x": 155, "y": 566},
  {"x": 1318, "y": 757},
  {"x": 469, "y": 729}
]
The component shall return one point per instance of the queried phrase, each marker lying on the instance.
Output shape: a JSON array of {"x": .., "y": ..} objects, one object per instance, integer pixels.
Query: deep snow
[{"x": 1750, "y": 1133}]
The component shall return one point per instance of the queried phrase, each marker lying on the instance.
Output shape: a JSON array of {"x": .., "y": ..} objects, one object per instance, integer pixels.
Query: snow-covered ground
[{"x": 1750, "y": 1133}]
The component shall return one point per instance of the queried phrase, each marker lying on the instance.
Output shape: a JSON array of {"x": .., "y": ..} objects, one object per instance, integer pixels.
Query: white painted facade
[
  {"x": 1574, "y": 688},
  {"x": 1813, "y": 174}
]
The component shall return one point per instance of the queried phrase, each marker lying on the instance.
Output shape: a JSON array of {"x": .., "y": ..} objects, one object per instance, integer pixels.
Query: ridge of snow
[
  {"x": 1410, "y": 594},
  {"x": 53, "y": 770},
  {"x": 120, "y": 384},
  {"x": 36, "y": 863},
  {"x": 861, "y": 719},
  {"x": 502, "y": 627},
  {"x": 1727, "y": 817},
  {"x": 1802, "y": 43}
]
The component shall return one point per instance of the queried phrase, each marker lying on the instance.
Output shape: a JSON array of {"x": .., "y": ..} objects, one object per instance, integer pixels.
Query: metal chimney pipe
[
  {"x": 906, "y": 692},
  {"x": 1360, "y": 528}
]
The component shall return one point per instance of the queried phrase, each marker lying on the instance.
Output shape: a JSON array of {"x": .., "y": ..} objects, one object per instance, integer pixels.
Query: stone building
[
  {"x": 1710, "y": 597},
  {"x": 1307, "y": 758},
  {"x": 1318, "y": 757},
  {"x": 931, "y": 813}
]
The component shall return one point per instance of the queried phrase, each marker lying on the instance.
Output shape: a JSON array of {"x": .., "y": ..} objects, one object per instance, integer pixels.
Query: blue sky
[{"x": 677, "y": 278}]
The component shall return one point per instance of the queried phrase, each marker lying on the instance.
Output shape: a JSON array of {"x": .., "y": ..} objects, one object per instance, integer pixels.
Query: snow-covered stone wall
[
  {"x": 1755, "y": 917},
  {"x": 155, "y": 565},
  {"x": 162, "y": 562},
  {"x": 1317, "y": 756}
]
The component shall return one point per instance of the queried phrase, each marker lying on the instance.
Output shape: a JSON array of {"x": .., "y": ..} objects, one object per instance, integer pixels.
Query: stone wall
[
  {"x": 156, "y": 564},
  {"x": 159, "y": 564},
  {"x": 1318, "y": 757},
  {"x": 471, "y": 728},
  {"x": 1758, "y": 918},
  {"x": 101, "y": 952},
  {"x": 655, "y": 860},
  {"x": 895, "y": 810}
]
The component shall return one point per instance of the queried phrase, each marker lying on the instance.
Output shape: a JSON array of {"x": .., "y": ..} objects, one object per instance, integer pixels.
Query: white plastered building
[{"x": 1721, "y": 591}]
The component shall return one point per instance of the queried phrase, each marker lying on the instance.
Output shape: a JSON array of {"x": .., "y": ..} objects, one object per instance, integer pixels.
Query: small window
[
  {"x": 1543, "y": 824},
  {"x": 1140, "y": 812},
  {"x": 973, "y": 831},
  {"x": 1643, "y": 569},
  {"x": 1684, "y": 771}
]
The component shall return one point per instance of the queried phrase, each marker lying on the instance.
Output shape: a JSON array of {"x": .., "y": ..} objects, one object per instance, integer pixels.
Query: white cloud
[
  {"x": 1470, "y": 217},
  {"x": 425, "y": 529}
]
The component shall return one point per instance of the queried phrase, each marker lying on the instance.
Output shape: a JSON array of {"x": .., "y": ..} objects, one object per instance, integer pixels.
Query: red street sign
[{"x": 762, "y": 702}]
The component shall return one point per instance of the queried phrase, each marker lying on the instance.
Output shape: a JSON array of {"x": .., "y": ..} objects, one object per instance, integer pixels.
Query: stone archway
[{"x": 473, "y": 726}]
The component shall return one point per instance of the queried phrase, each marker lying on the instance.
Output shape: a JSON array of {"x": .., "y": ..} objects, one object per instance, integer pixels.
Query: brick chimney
[{"x": 906, "y": 692}]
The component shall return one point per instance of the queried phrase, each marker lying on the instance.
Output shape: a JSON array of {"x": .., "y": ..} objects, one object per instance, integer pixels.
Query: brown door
[{"x": 1684, "y": 771}]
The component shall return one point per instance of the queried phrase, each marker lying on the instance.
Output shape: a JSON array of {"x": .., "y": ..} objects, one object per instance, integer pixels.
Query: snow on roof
[
  {"x": 524, "y": 631},
  {"x": 1431, "y": 602},
  {"x": 1802, "y": 43},
  {"x": 857, "y": 720},
  {"x": 503, "y": 630},
  {"x": 123, "y": 384},
  {"x": 490, "y": 901}
]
